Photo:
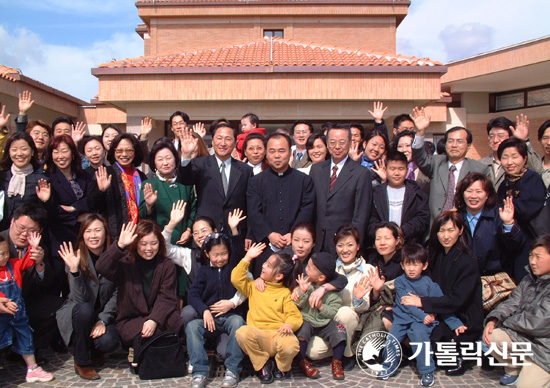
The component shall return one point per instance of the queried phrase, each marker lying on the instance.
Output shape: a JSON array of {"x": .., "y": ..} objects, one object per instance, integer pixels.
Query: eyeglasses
[
  {"x": 129, "y": 151},
  {"x": 499, "y": 137},
  {"x": 457, "y": 141},
  {"x": 545, "y": 138},
  {"x": 23, "y": 229}
]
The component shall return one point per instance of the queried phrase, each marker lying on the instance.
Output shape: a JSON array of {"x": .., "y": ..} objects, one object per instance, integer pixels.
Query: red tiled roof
[
  {"x": 259, "y": 53},
  {"x": 6, "y": 71}
]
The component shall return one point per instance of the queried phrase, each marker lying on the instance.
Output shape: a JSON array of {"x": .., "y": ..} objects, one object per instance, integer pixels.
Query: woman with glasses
[{"x": 124, "y": 194}]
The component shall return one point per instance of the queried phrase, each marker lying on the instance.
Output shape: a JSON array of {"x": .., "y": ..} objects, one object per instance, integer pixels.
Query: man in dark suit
[
  {"x": 278, "y": 199},
  {"x": 220, "y": 180},
  {"x": 343, "y": 190},
  {"x": 445, "y": 171},
  {"x": 400, "y": 200}
]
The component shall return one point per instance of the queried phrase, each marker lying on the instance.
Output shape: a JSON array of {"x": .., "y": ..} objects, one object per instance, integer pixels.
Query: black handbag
[{"x": 161, "y": 356}]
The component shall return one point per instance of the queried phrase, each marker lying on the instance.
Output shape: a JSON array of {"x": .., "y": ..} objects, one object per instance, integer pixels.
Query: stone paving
[{"x": 116, "y": 373}]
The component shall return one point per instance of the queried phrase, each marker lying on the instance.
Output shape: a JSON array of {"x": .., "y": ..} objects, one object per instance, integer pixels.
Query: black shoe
[
  {"x": 58, "y": 346},
  {"x": 266, "y": 373},
  {"x": 348, "y": 363},
  {"x": 457, "y": 370},
  {"x": 278, "y": 375}
]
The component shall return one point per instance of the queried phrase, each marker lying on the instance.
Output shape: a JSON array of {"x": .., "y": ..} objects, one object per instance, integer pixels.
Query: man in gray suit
[
  {"x": 499, "y": 129},
  {"x": 445, "y": 171},
  {"x": 343, "y": 190}
]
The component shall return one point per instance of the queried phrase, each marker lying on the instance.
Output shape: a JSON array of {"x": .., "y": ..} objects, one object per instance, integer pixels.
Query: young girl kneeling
[{"x": 273, "y": 318}]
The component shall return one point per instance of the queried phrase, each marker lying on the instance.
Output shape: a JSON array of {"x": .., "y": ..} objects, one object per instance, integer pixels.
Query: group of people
[{"x": 327, "y": 235}]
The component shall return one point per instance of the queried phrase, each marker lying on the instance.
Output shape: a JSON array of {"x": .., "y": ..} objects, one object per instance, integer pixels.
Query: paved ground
[{"x": 116, "y": 373}]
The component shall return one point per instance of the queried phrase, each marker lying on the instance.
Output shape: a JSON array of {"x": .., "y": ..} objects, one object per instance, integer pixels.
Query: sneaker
[
  {"x": 428, "y": 379},
  {"x": 382, "y": 376},
  {"x": 199, "y": 381},
  {"x": 229, "y": 379},
  {"x": 190, "y": 369},
  {"x": 507, "y": 379},
  {"x": 38, "y": 375}
]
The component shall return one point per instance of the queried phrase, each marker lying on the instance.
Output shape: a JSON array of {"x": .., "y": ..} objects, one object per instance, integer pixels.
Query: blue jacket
[
  {"x": 213, "y": 284},
  {"x": 492, "y": 247}
]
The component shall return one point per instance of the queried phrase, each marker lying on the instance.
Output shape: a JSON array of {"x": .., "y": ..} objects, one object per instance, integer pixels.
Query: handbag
[
  {"x": 160, "y": 356},
  {"x": 496, "y": 288}
]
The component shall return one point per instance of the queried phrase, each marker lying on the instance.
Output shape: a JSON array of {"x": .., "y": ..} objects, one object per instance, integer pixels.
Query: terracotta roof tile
[
  {"x": 258, "y": 53},
  {"x": 6, "y": 71}
]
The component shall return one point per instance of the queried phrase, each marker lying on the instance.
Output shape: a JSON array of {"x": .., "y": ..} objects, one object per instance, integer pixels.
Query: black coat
[
  {"x": 493, "y": 249},
  {"x": 528, "y": 194},
  {"x": 114, "y": 201},
  {"x": 277, "y": 203},
  {"x": 457, "y": 274},
  {"x": 204, "y": 173},
  {"x": 415, "y": 215},
  {"x": 12, "y": 203},
  {"x": 349, "y": 201},
  {"x": 65, "y": 225}
]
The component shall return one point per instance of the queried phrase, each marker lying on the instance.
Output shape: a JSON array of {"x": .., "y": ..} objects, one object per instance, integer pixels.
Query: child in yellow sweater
[{"x": 273, "y": 318}]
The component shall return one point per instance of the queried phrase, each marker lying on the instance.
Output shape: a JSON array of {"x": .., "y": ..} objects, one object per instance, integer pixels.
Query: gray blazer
[
  {"x": 84, "y": 290},
  {"x": 436, "y": 168},
  {"x": 348, "y": 202}
]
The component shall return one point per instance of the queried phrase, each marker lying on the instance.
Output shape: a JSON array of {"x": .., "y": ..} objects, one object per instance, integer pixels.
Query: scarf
[
  {"x": 351, "y": 266},
  {"x": 411, "y": 169},
  {"x": 18, "y": 180},
  {"x": 172, "y": 180},
  {"x": 132, "y": 186},
  {"x": 366, "y": 162},
  {"x": 513, "y": 178}
]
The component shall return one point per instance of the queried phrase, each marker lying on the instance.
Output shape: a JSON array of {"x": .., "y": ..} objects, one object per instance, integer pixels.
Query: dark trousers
[{"x": 84, "y": 318}]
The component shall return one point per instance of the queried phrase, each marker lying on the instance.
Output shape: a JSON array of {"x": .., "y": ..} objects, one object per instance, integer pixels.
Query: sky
[{"x": 58, "y": 42}]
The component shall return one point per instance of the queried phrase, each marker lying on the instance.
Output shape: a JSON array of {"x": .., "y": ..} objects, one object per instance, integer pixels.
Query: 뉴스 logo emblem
[{"x": 379, "y": 354}]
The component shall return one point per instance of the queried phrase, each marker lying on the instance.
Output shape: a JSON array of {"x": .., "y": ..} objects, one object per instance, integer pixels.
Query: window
[
  {"x": 518, "y": 99},
  {"x": 274, "y": 34}
]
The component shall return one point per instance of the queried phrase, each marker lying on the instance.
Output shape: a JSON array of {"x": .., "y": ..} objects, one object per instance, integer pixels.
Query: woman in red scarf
[{"x": 122, "y": 205}]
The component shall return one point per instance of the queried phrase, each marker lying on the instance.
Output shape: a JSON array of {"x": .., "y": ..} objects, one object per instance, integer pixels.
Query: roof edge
[{"x": 98, "y": 71}]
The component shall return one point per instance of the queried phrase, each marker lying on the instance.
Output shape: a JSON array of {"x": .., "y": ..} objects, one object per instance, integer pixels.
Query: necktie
[
  {"x": 449, "y": 202},
  {"x": 333, "y": 177},
  {"x": 224, "y": 178}
]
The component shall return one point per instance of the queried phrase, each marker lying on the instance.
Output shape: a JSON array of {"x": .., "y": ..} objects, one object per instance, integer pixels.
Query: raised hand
[
  {"x": 188, "y": 143},
  {"x": 146, "y": 127},
  {"x": 521, "y": 131},
  {"x": 103, "y": 180},
  {"x": 254, "y": 251},
  {"x": 149, "y": 196},
  {"x": 25, "y": 102},
  {"x": 421, "y": 120},
  {"x": 234, "y": 219},
  {"x": 71, "y": 259},
  {"x": 3, "y": 118},
  {"x": 127, "y": 235},
  {"x": 362, "y": 287},
  {"x": 375, "y": 279},
  {"x": 199, "y": 129},
  {"x": 43, "y": 190},
  {"x": 380, "y": 169},
  {"x": 507, "y": 211},
  {"x": 354, "y": 152},
  {"x": 178, "y": 211},
  {"x": 378, "y": 111},
  {"x": 78, "y": 131},
  {"x": 34, "y": 239},
  {"x": 303, "y": 283}
]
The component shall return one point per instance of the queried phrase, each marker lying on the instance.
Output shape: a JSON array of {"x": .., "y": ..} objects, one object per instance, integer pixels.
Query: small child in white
[{"x": 411, "y": 321}]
